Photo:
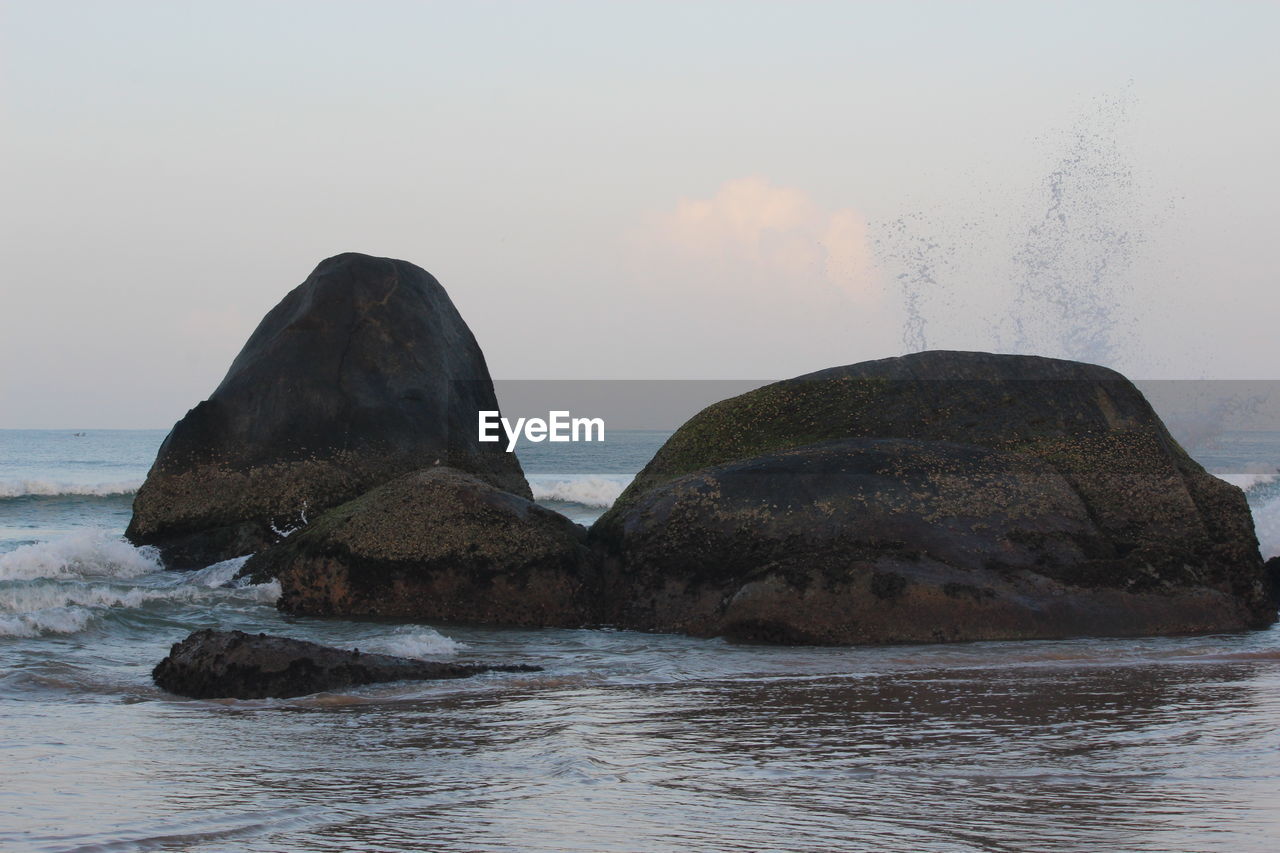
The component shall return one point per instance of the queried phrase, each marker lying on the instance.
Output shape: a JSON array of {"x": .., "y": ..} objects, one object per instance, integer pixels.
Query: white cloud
[
  {"x": 756, "y": 280},
  {"x": 776, "y": 235}
]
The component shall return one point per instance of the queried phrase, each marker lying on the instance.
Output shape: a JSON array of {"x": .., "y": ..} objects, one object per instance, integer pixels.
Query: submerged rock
[
  {"x": 362, "y": 373},
  {"x": 232, "y": 664},
  {"x": 939, "y": 496},
  {"x": 437, "y": 545}
]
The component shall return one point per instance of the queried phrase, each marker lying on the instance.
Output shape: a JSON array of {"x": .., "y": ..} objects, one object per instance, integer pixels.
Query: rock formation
[
  {"x": 362, "y": 373},
  {"x": 938, "y": 496},
  {"x": 436, "y": 545},
  {"x": 232, "y": 664}
]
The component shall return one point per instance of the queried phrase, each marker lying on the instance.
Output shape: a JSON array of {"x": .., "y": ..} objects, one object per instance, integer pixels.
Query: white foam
[
  {"x": 56, "y": 620},
  {"x": 413, "y": 641},
  {"x": 1266, "y": 521},
  {"x": 26, "y": 599},
  {"x": 1250, "y": 479},
  {"x": 263, "y": 593},
  {"x": 87, "y": 554},
  {"x": 222, "y": 576},
  {"x": 45, "y": 595},
  {"x": 218, "y": 574},
  {"x": 66, "y": 602},
  {"x": 1264, "y": 502},
  {"x": 596, "y": 490},
  {"x": 53, "y": 488}
]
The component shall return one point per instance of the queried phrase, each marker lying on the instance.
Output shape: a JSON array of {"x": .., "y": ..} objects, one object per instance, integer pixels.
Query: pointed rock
[{"x": 362, "y": 373}]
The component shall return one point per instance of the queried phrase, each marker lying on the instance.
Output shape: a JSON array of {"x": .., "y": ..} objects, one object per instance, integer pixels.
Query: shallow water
[
  {"x": 645, "y": 742},
  {"x": 626, "y": 742}
]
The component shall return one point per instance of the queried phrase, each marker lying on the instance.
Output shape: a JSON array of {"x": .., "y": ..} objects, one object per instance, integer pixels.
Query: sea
[{"x": 625, "y": 741}]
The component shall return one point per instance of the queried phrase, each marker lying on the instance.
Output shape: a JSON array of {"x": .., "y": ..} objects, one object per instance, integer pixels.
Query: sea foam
[
  {"x": 1266, "y": 522},
  {"x": 218, "y": 574},
  {"x": 413, "y": 641},
  {"x": 1250, "y": 480},
  {"x": 56, "y": 620},
  {"x": 48, "y": 596},
  {"x": 45, "y": 594},
  {"x": 596, "y": 491},
  {"x": 87, "y": 554},
  {"x": 62, "y": 587},
  {"x": 57, "y": 488}
]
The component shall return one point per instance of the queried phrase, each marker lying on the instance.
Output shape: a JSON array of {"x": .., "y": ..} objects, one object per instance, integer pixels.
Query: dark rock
[
  {"x": 232, "y": 664},
  {"x": 890, "y": 540},
  {"x": 363, "y": 372},
  {"x": 437, "y": 545},
  {"x": 937, "y": 496},
  {"x": 1272, "y": 570}
]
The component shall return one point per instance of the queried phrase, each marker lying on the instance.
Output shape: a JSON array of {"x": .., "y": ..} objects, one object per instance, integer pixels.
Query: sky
[{"x": 691, "y": 190}]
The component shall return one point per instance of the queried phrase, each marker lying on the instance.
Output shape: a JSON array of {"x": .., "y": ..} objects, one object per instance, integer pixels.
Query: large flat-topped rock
[{"x": 808, "y": 511}]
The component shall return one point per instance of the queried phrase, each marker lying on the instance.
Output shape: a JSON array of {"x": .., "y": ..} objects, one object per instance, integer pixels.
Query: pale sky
[{"x": 645, "y": 190}]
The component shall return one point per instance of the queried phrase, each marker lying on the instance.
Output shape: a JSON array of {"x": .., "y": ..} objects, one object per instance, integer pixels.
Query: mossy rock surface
[
  {"x": 436, "y": 545},
  {"x": 894, "y": 540},
  {"x": 753, "y": 502},
  {"x": 1050, "y": 407},
  {"x": 362, "y": 373},
  {"x": 1090, "y": 423}
]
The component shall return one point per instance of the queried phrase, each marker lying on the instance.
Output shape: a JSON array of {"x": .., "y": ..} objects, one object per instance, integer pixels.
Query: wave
[
  {"x": 63, "y": 587},
  {"x": 413, "y": 641},
  {"x": 39, "y": 599},
  {"x": 53, "y": 620},
  {"x": 1262, "y": 490},
  {"x": 222, "y": 576},
  {"x": 219, "y": 574},
  {"x": 61, "y": 488},
  {"x": 1250, "y": 480},
  {"x": 594, "y": 490},
  {"x": 87, "y": 554},
  {"x": 28, "y": 610},
  {"x": 1266, "y": 523}
]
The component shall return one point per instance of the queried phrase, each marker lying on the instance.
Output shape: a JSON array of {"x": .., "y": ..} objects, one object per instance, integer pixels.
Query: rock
[
  {"x": 232, "y": 664},
  {"x": 1054, "y": 408},
  {"x": 896, "y": 541},
  {"x": 362, "y": 373},
  {"x": 437, "y": 545},
  {"x": 939, "y": 496},
  {"x": 1272, "y": 570}
]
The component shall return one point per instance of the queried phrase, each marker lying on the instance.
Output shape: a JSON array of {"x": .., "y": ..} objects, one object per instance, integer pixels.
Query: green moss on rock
[
  {"x": 436, "y": 545},
  {"x": 1015, "y": 496}
]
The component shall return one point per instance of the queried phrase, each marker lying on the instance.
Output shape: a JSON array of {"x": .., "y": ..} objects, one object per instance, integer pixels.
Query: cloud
[
  {"x": 757, "y": 230},
  {"x": 756, "y": 280}
]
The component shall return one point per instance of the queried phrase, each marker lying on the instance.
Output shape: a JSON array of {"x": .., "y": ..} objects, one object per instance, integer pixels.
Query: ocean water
[{"x": 626, "y": 742}]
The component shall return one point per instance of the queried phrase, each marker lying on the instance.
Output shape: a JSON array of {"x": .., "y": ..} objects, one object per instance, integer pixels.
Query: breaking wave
[
  {"x": 1262, "y": 490},
  {"x": 87, "y": 554},
  {"x": 1266, "y": 522},
  {"x": 1251, "y": 480},
  {"x": 594, "y": 491},
  {"x": 59, "y": 488},
  {"x": 54, "y": 620},
  {"x": 413, "y": 641},
  {"x": 65, "y": 585}
]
